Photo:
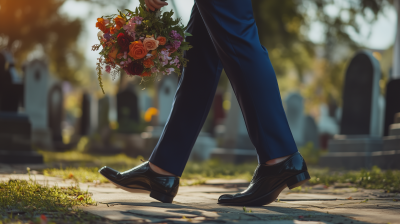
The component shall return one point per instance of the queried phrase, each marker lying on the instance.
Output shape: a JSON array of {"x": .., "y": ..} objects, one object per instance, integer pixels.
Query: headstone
[
  {"x": 11, "y": 88},
  {"x": 392, "y": 103},
  {"x": 15, "y": 129},
  {"x": 294, "y": 108},
  {"x": 127, "y": 111},
  {"x": 311, "y": 133},
  {"x": 361, "y": 96},
  {"x": 165, "y": 94},
  {"x": 37, "y": 82},
  {"x": 145, "y": 100},
  {"x": 85, "y": 115},
  {"x": 360, "y": 132},
  {"x": 327, "y": 126},
  {"x": 219, "y": 112},
  {"x": 55, "y": 112}
]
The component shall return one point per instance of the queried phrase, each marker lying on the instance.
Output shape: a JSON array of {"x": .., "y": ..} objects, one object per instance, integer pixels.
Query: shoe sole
[
  {"x": 154, "y": 194},
  {"x": 271, "y": 196}
]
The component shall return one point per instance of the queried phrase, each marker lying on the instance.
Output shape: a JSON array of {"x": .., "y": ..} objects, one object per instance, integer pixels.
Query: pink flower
[
  {"x": 154, "y": 70},
  {"x": 108, "y": 69},
  {"x": 169, "y": 70},
  {"x": 130, "y": 29},
  {"x": 137, "y": 19}
]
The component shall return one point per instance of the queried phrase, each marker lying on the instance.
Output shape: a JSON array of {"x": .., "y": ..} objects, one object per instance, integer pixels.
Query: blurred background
[{"x": 336, "y": 62}]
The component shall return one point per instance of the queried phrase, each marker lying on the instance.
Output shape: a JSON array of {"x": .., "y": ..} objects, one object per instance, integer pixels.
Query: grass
[
  {"x": 24, "y": 201},
  {"x": 83, "y": 168}
]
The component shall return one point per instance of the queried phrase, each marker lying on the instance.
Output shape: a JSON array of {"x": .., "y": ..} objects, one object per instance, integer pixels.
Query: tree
[{"x": 283, "y": 26}]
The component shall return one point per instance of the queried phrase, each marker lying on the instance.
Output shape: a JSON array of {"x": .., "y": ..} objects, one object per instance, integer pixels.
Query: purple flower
[
  {"x": 137, "y": 19},
  {"x": 175, "y": 35},
  {"x": 107, "y": 36},
  {"x": 176, "y": 44}
]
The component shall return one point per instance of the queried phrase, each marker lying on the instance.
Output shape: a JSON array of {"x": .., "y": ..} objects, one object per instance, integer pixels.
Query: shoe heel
[
  {"x": 161, "y": 197},
  {"x": 298, "y": 180}
]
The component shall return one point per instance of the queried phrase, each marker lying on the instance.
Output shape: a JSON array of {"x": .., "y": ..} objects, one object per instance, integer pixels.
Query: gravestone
[
  {"x": 327, "y": 126},
  {"x": 145, "y": 101},
  {"x": 37, "y": 83},
  {"x": 55, "y": 112},
  {"x": 392, "y": 103},
  {"x": 311, "y": 132},
  {"x": 219, "y": 112},
  {"x": 15, "y": 128},
  {"x": 85, "y": 115},
  {"x": 165, "y": 94},
  {"x": 360, "y": 126},
  {"x": 127, "y": 111},
  {"x": 360, "y": 97},
  {"x": 11, "y": 88},
  {"x": 294, "y": 108}
]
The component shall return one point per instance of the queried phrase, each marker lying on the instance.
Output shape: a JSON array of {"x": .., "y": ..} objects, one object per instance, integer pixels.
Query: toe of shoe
[
  {"x": 108, "y": 172},
  {"x": 225, "y": 198}
]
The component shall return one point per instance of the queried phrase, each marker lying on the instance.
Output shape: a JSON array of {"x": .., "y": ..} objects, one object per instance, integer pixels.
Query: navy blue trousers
[{"x": 225, "y": 36}]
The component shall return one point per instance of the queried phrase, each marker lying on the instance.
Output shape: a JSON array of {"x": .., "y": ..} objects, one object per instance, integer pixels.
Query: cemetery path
[{"x": 197, "y": 204}]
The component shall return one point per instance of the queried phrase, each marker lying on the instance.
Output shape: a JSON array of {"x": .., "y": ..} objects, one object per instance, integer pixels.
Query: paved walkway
[{"x": 197, "y": 204}]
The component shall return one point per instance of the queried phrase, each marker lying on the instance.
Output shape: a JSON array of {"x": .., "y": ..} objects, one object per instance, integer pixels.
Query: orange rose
[
  {"x": 162, "y": 40},
  {"x": 144, "y": 74},
  {"x": 119, "y": 22},
  {"x": 148, "y": 63},
  {"x": 113, "y": 53},
  {"x": 150, "y": 44},
  {"x": 135, "y": 44},
  {"x": 137, "y": 50},
  {"x": 101, "y": 24}
]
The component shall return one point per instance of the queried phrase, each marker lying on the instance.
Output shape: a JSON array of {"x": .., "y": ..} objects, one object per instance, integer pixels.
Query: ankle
[
  {"x": 276, "y": 161},
  {"x": 159, "y": 170}
]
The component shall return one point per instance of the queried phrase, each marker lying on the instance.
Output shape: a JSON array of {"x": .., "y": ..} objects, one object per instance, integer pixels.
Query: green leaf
[{"x": 188, "y": 34}]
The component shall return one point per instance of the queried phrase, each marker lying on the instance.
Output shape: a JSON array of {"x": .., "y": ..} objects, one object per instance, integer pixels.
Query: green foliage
[
  {"x": 310, "y": 153},
  {"x": 86, "y": 167},
  {"x": 370, "y": 179},
  {"x": 26, "y": 25},
  {"x": 27, "y": 200}
]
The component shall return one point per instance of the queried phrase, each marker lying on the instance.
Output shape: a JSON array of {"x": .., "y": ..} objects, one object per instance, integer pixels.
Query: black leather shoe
[
  {"x": 161, "y": 187},
  {"x": 269, "y": 181}
]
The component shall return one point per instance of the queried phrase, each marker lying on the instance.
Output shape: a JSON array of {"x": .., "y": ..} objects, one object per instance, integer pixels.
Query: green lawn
[
  {"x": 86, "y": 166},
  {"x": 24, "y": 201}
]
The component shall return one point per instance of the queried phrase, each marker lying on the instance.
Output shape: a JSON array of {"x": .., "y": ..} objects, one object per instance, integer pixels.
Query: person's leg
[
  {"x": 192, "y": 101},
  {"x": 232, "y": 28}
]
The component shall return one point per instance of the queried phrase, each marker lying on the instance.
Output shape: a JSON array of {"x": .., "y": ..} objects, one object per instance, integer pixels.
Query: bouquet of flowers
[{"x": 141, "y": 42}]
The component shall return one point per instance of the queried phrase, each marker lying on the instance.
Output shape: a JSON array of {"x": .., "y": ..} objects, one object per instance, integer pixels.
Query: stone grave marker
[
  {"x": 311, "y": 132},
  {"x": 15, "y": 128},
  {"x": 37, "y": 83},
  {"x": 85, "y": 116},
  {"x": 55, "y": 112},
  {"x": 392, "y": 103},
  {"x": 360, "y": 114},
  {"x": 165, "y": 95},
  {"x": 360, "y": 126},
  {"x": 127, "y": 110},
  {"x": 294, "y": 108}
]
